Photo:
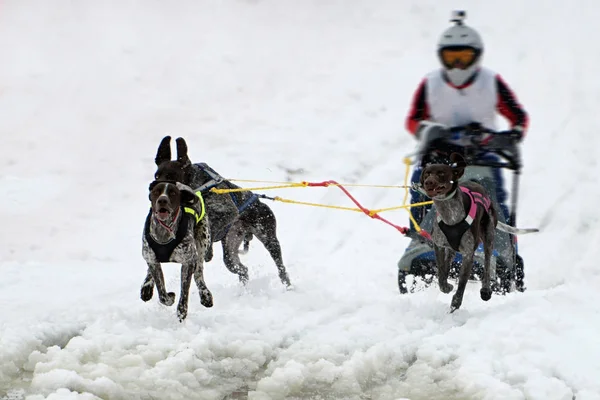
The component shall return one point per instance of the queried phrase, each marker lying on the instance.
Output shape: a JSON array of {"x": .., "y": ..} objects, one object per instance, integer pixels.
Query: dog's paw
[
  {"x": 285, "y": 279},
  {"x": 206, "y": 298},
  {"x": 485, "y": 293},
  {"x": 147, "y": 292},
  {"x": 243, "y": 278},
  {"x": 290, "y": 288},
  {"x": 456, "y": 303},
  {"x": 181, "y": 312},
  {"x": 170, "y": 299},
  {"x": 520, "y": 286},
  {"x": 446, "y": 287}
]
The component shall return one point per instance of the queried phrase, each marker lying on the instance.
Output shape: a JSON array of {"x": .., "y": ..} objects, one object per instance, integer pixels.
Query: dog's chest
[
  {"x": 182, "y": 253},
  {"x": 464, "y": 243},
  {"x": 451, "y": 230},
  {"x": 181, "y": 248}
]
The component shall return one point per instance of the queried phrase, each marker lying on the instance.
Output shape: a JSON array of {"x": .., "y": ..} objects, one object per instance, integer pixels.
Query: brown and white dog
[
  {"x": 176, "y": 230},
  {"x": 466, "y": 217}
]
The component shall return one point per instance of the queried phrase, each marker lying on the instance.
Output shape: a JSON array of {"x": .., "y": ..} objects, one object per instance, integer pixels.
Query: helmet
[{"x": 460, "y": 49}]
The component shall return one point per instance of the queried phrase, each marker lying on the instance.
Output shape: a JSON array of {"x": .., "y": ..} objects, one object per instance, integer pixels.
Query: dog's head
[
  {"x": 440, "y": 179},
  {"x": 167, "y": 197},
  {"x": 172, "y": 170}
]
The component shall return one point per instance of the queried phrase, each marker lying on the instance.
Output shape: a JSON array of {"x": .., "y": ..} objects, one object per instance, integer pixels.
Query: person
[{"x": 461, "y": 92}]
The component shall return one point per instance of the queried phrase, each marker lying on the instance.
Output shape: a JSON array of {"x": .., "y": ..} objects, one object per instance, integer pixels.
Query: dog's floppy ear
[
  {"x": 164, "y": 151},
  {"x": 150, "y": 187},
  {"x": 422, "y": 178},
  {"x": 458, "y": 165},
  {"x": 182, "y": 155},
  {"x": 187, "y": 194},
  {"x": 188, "y": 198}
]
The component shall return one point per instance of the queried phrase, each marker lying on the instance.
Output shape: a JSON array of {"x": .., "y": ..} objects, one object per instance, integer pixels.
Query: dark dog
[
  {"x": 466, "y": 218},
  {"x": 175, "y": 231},
  {"x": 234, "y": 217}
]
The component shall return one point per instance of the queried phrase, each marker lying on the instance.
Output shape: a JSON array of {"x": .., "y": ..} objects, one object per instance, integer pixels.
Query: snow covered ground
[{"x": 282, "y": 90}]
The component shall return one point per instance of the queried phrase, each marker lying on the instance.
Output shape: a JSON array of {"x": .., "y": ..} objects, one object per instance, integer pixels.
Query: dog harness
[
  {"x": 454, "y": 233},
  {"x": 163, "y": 251},
  {"x": 216, "y": 179}
]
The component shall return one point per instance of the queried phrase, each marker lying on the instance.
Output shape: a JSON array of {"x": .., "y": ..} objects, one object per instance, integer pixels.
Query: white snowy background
[{"x": 282, "y": 90}]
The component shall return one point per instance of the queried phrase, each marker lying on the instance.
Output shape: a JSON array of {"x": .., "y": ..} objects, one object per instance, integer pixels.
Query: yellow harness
[{"x": 190, "y": 210}]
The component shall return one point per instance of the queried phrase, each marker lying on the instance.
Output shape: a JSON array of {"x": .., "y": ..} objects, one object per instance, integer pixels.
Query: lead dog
[
  {"x": 465, "y": 218},
  {"x": 234, "y": 217},
  {"x": 176, "y": 230}
]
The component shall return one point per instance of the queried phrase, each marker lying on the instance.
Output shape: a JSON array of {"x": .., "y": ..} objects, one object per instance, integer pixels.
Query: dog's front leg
[
  {"x": 159, "y": 280},
  {"x": 463, "y": 279},
  {"x": 488, "y": 246},
  {"x": 206, "y": 298},
  {"x": 187, "y": 271},
  {"x": 208, "y": 256},
  {"x": 147, "y": 286},
  {"x": 443, "y": 267}
]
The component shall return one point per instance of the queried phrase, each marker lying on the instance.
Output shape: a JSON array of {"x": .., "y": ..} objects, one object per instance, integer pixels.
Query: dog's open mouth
[
  {"x": 163, "y": 213},
  {"x": 439, "y": 190}
]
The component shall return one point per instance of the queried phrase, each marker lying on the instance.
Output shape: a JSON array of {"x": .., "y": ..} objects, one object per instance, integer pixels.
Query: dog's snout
[
  {"x": 162, "y": 201},
  {"x": 430, "y": 183}
]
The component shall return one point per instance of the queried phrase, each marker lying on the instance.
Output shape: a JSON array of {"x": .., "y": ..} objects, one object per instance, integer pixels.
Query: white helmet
[{"x": 460, "y": 49}]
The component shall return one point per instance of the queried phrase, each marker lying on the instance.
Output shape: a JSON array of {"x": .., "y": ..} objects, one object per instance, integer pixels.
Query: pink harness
[
  {"x": 476, "y": 198},
  {"x": 454, "y": 233}
]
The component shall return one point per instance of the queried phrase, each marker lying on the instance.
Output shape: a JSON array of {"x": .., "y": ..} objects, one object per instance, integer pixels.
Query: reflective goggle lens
[{"x": 457, "y": 58}]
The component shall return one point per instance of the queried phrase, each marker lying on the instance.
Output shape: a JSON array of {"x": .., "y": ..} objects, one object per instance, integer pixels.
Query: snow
[{"x": 282, "y": 90}]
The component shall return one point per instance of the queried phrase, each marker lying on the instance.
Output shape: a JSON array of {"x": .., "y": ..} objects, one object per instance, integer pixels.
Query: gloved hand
[
  {"x": 428, "y": 131},
  {"x": 505, "y": 139},
  {"x": 474, "y": 129},
  {"x": 516, "y": 132}
]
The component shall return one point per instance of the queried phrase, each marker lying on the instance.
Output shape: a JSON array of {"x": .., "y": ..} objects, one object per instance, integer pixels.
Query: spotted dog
[
  {"x": 176, "y": 230},
  {"x": 235, "y": 218},
  {"x": 465, "y": 218}
]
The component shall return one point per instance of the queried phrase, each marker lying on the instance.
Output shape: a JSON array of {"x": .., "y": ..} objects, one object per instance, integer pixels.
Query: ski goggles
[{"x": 458, "y": 57}]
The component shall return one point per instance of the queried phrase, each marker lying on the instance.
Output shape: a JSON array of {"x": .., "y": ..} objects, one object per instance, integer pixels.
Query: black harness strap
[
  {"x": 454, "y": 233},
  {"x": 164, "y": 251},
  {"x": 216, "y": 179}
]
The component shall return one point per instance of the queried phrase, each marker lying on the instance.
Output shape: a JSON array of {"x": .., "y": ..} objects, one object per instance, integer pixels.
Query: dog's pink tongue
[{"x": 163, "y": 214}]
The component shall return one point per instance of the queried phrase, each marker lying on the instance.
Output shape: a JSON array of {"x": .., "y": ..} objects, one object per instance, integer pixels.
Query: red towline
[{"x": 402, "y": 229}]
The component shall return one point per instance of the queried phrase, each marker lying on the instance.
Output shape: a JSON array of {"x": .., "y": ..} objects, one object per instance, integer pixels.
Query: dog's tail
[{"x": 515, "y": 231}]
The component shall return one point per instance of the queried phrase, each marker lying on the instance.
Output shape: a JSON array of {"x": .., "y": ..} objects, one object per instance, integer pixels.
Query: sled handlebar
[{"x": 474, "y": 150}]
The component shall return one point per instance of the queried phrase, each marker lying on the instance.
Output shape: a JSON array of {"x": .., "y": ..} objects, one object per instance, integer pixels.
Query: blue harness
[{"x": 216, "y": 179}]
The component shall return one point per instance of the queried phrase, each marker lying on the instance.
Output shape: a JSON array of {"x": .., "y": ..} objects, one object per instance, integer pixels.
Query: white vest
[{"x": 455, "y": 107}]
